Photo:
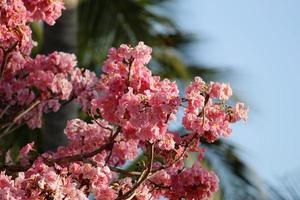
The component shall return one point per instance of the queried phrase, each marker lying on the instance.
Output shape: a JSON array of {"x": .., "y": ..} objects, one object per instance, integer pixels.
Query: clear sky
[{"x": 260, "y": 41}]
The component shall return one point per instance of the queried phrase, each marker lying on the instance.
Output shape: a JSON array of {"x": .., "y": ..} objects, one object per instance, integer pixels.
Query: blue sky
[{"x": 259, "y": 40}]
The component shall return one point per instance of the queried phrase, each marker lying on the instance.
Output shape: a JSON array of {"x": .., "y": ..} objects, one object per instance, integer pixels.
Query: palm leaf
[
  {"x": 112, "y": 22},
  {"x": 237, "y": 180},
  {"x": 287, "y": 189}
]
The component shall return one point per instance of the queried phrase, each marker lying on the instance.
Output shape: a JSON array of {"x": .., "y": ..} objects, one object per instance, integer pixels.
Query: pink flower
[
  {"x": 167, "y": 142},
  {"x": 45, "y": 10},
  {"x": 240, "y": 112},
  {"x": 194, "y": 183},
  {"x": 142, "y": 53},
  {"x": 9, "y": 190},
  {"x": 221, "y": 91},
  {"x": 205, "y": 114},
  {"x": 26, "y": 149},
  {"x": 61, "y": 85},
  {"x": 125, "y": 151}
]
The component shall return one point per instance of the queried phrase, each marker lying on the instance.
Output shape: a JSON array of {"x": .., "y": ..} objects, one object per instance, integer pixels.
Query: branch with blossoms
[{"x": 130, "y": 110}]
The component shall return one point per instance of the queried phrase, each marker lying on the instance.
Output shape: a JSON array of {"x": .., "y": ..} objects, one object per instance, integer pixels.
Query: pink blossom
[
  {"x": 194, "y": 94},
  {"x": 240, "y": 112},
  {"x": 143, "y": 193},
  {"x": 84, "y": 87},
  {"x": 125, "y": 151},
  {"x": 26, "y": 149},
  {"x": 205, "y": 115},
  {"x": 194, "y": 183},
  {"x": 142, "y": 52},
  {"x": 220, "y": 90},
  {"x": 8, "y": 189},
  {"x": 45, "y": 10},
  {"x": 61, "y": 85},
  {"x": 167, "y": 142}
]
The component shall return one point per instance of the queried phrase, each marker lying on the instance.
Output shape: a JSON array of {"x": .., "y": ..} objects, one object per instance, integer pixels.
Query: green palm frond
[
  {"x": 287, "y": 189},
  {"x": 237, "y": 180},
  {"x": 206, "y": 72},
  {"x": 168, "y": 63},
  {"x": 113, "y": 22},
  {"x": 37, "y": 35}
]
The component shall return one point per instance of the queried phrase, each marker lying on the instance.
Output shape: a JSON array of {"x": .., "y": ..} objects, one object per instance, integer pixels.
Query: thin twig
[
  {"x": 74, "y": 158},
  {"x": 125, "y": 172},
  {"x": 80, "y": 157},
  {"x": 130, "y": 65},
  {"x": 18, "y": 117},
  {"x": 177, "y": 159},
  {"x": 26, "y": 111},
  {"x": 4, "y": 110},
  {"x": 109, "y": 155},
  {"x": 132, "y": 192},
  {"x": 95, "y": 120},
  {"x": 159, "y": 185},
  {"x": 11, "y": 130},
  {"x": 6, "y": 58},
  {"x": 20, "y": 168}
]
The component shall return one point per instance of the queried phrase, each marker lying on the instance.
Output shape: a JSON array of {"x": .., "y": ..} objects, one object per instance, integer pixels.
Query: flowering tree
[{"x": 129, "y": 111}]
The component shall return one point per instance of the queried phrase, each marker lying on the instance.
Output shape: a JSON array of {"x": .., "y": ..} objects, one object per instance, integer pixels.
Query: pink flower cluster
[
  {"x": 131, "y": 97},
  {"x": 194, "y": 183},
  {"x": 45, "y": 10},
  {"x": 15, "y": 16},
  {"x": 83, "y": 137},
  {"x": 40, "y": 83},
  {"x": 207, "y": 113},
  {"x": 31, "y": 86},
  {"x": 128, "y": 110}
]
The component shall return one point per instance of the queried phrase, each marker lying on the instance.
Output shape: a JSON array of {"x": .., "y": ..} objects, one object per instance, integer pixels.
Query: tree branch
[
  {"x": 143, "y": 177},
  {"x": 81, "y": 157}
]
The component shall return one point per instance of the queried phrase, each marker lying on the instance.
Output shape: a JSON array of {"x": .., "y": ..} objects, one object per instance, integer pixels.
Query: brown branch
[
  {"x": 18, "y": 117},
  {"x": 10, "y": 169},
  {"x": 125, "y": 172},
  {"x": 12, "y": 129},
  {"x": 143, "y": 177},
  {"x": 159, "y": 185},
  {"x": 6, "y": 58},
  {"x": 109, "y": 155},
  {"x": 66, "y": 159},
  {"x": 26, "y": 111},
  {"x": 177, "y": 159},
  {"x": 4, "y": 110},
  {"x": 95, "y": 120},
  {"x": 81, "y": 157},
  {"x": 130, "y": 64}
]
